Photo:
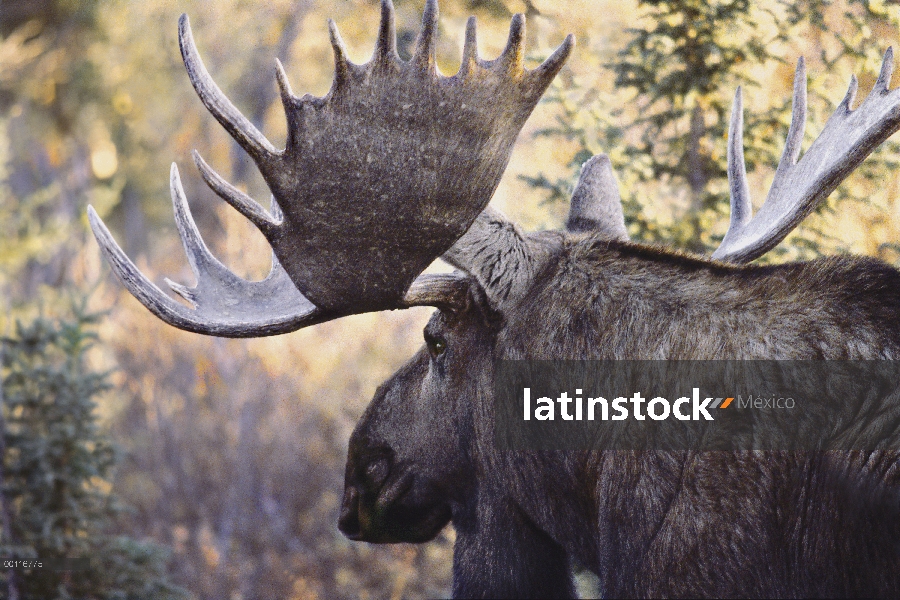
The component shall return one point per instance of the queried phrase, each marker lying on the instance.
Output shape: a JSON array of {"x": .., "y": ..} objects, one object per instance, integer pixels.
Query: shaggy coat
[{"x": 649, "y": 524}]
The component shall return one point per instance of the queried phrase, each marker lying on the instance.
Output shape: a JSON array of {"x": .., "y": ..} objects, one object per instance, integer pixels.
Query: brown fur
[{"x": 648, "y": 523}]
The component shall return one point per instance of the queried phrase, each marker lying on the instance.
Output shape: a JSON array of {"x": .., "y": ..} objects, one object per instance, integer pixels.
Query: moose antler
[
  {"x": 848, "y": 138},
  {"x": 377, "y": 179}
]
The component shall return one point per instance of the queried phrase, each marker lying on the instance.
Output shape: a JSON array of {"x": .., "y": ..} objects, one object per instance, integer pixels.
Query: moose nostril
[{"x": 377, "y": 472}]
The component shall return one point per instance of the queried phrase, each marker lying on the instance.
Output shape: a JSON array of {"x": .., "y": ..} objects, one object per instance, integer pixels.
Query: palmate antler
[
  {"x": 377, "y": 179},
  {"x": 848, "y": 138},
  {"x": 798, "y": 188}
]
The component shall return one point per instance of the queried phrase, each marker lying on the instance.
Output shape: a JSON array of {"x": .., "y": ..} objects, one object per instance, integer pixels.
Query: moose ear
[
  {"x": 504, "y": 261},
  {"x": 596, "y": 204}
]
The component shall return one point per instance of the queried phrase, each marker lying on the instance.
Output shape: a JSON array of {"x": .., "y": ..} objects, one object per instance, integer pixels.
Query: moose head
[{"x": 393, "y": 169}]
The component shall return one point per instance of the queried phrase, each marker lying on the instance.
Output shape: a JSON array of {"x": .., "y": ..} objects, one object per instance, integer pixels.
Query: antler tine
[
  {"x": 741, "y": 207},
  {"x": 514, "y": 53},
  {"x": 241, "y": 202},
  {"x": 200, "y": 258},
  {"x": 852, "y": 88},
  {"x": 240, "y": 128},
  {"x": 223, "y": 304},
  {"x": 210, "y": 273},
  {"x": 284, "y": 86},
  {"x": 341, "y": 64},
  {"x": 544, "y": 74},
  {"x": 798, "y": 121},
  {"x": 470, "y": 48},
  {"x": 289, "y": 102},
  {"x": 160, "y": 304},
  {"x": 848, "y": 138},
  {"x": 386, "y": 47},
  {"x": 887, "y": 69},
  {"x": 424, "y": 55}
]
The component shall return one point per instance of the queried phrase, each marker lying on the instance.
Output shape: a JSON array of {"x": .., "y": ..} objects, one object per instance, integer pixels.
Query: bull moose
[{"x": 394, "y": 168}]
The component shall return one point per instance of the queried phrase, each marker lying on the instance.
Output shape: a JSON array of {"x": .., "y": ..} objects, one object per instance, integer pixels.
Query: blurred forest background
[{"x": 188, "y": 466}]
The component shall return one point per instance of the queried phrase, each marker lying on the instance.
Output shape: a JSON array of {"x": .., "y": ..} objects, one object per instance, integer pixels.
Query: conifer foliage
[{"x": 55, "y": 466}]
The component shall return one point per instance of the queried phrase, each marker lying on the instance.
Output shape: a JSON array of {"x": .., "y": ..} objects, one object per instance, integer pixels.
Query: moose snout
[{"x": 364, "y": 482}]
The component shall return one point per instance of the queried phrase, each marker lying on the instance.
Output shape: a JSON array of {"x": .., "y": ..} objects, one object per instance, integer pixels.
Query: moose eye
[{"x": 436, "y": 346}]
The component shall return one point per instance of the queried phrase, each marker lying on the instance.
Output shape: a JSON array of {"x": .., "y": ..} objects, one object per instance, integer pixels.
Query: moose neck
[{"x": 525, "y": 562}]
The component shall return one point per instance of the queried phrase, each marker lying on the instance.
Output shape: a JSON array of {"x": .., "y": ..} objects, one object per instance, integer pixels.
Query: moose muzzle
[{"x": 385, "y": 503}]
